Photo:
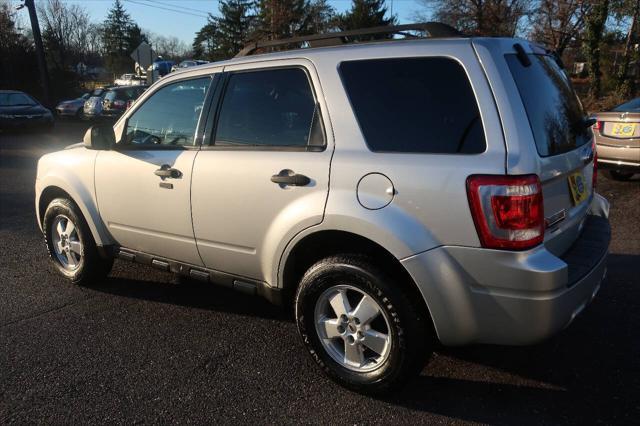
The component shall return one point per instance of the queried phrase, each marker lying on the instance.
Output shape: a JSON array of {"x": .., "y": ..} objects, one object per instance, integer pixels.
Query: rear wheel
[
  {"x": 622, "y": 176},
  {"x": 70, "y": 244},
  {"x": 359, "y": 326}
]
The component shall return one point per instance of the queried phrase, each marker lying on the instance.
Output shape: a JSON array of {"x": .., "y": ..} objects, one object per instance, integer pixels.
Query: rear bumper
[
  {"x": 515, "y": 298},
  {"x": 619, "y": 157}
]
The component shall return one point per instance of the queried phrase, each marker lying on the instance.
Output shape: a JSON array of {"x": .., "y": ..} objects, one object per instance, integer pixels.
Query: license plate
[
  {"x": 578, "y": 187},
  {"x": 623, "y": 130}
]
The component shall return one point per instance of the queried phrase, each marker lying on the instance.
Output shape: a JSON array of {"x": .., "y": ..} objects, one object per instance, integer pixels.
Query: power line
[
  {"x": 166, "y": 8},
  {"x": 181, "y": 6}
]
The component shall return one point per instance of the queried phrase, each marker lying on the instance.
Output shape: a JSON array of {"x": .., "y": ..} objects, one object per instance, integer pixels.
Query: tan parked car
[{"x": 617, "y": 134}]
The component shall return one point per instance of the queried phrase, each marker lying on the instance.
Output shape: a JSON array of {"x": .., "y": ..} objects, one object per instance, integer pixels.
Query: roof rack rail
[{"x": 433, "y": 29}]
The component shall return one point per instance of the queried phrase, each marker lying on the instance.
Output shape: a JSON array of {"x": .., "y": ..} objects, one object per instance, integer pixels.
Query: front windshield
[
  {"x": 631, "y": 106},
  {"x": 16, "y": 99}
]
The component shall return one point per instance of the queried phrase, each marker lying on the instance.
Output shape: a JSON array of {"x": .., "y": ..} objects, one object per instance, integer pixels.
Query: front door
[
  {"x": 143, "y": 185},
  {"x": 265, "y": 175}
]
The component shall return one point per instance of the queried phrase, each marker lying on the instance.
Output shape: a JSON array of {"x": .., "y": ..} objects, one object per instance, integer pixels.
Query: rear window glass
[
  {"x": 631, "y": 106},
  {"x": 421, "y": 105},
  {"x": 554, "y": 110}
]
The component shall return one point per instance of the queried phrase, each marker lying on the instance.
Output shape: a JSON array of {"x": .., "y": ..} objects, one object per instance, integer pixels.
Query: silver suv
[{"x": 395, "y": 193}]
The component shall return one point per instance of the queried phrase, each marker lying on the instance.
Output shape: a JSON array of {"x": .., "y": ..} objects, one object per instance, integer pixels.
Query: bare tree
[
  {"x": 168, "y": 47},
  {"x": 558, "y": 23},
  {"x": 65, "y": 31},
  {"x": 479, "y": 17}
]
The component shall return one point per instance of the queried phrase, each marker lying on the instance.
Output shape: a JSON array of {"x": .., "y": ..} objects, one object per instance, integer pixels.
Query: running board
[{"x": 223, "y": 279}]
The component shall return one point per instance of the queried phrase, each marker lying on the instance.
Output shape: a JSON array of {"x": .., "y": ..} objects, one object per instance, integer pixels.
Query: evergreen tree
[
  {"x": 283, "y": 18},
  {"x": 120, "y": 36},
  {"x": 365, "y": 14},
  {"x": 206, "y": 44},
  {"x": 223, "y": 37},
  {"x": 320, "y": 17},
  {"x": 234, "y": 26},
  {"x": 592, "y": 43}
]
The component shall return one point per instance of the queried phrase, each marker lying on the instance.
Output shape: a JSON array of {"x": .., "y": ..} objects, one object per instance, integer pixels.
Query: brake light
[
  {"x": 507, "y": 210},
  {"x": 597, "y": 126}
]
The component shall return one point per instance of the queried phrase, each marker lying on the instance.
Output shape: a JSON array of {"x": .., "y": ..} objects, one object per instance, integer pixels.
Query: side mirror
[{"x": 100, "y": 137}]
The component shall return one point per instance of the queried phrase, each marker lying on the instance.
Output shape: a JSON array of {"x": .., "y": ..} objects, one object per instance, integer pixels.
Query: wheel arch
[
  {"x": 89, "y": 212},
  {"x": 324, "y": 243}
]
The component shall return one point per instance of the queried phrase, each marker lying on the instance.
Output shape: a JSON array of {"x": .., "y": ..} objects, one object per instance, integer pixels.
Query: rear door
[
  {"x": 265, "y": 175},
  {"x": 547, "y": 133}
]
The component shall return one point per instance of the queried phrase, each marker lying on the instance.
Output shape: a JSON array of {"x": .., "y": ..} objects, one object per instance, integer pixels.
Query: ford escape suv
[{"x": 394, "y": 193}]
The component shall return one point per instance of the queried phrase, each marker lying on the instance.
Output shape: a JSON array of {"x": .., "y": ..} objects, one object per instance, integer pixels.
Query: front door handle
[
  {"x": 166, "y": 171},
  {"x": 288, "y": 177}
]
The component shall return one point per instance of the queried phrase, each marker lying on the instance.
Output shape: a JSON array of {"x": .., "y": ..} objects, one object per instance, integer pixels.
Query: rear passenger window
[
  {"x": 269, "y": 108},
  {"x": 421, "y": 105}
]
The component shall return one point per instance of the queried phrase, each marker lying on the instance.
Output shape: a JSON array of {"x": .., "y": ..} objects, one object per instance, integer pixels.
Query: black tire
[
  {"x": 411, "y": 335},
  {"x": 620, "y": 176},
  {"x": 91, "y": 266}
]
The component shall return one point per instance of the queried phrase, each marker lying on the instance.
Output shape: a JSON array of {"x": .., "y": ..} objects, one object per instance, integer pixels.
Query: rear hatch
[{"x": 562, "y": 151}]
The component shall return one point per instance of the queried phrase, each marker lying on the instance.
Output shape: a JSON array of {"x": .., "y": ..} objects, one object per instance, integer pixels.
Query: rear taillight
[
  {"x": 597, "y": 126},
  {"x": 507, "y": 210}
]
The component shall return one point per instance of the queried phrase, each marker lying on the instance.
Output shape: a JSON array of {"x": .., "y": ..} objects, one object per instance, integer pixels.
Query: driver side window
[{"x": 170, "y": 116}]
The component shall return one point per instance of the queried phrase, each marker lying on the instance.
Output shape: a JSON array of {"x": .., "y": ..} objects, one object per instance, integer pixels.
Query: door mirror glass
[{"x": 99, "y": 137}]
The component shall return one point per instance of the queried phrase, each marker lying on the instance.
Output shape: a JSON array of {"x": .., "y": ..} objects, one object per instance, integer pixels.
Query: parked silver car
[
  {"x": 617, "y": 134},
  {"x": 394, "y": 193},
  {"x": 73, "y": 107},
  {"x": 93, "y": 106}
]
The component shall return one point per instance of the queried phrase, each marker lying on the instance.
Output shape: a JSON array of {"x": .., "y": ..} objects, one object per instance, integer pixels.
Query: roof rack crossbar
[{"x": 433, "y": 29}]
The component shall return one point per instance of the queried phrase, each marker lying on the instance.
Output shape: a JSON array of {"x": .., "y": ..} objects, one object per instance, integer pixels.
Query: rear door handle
[
  {"x": 288, "y": 177},
  {"x": 166, "y": 171}
]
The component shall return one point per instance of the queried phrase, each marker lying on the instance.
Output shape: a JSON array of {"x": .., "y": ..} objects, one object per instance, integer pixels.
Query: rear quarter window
[{"x": 414, "y": 105}]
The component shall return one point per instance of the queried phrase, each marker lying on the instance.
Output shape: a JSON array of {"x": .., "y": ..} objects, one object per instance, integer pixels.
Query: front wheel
[
  {"x": 360, "y": 326},
  {"x": 71, "y": 246}
]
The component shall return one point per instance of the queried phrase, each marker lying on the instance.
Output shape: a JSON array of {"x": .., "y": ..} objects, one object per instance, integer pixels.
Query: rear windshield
[
  {"x": 631, "y": 106},
  {"x": 421, "y": 105},
  {"x": 554, "y": 110}
]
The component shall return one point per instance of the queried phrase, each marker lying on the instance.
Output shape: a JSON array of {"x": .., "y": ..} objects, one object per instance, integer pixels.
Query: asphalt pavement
[{"x": 140, "y": 348}]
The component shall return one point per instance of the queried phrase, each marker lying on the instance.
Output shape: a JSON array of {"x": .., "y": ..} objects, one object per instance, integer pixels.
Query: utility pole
[{"x": 37, "y": 38}]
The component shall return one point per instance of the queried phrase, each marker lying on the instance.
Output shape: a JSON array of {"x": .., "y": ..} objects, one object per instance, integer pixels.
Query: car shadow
[
  {"x": 586, "y": 374},
  {"x": 193, "y": 294}
]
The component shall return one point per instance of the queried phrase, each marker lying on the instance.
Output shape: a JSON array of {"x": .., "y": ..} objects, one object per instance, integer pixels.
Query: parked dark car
[
  {"x": 117, "y": 99},
  {"x": 73, "y": 107},
  {"x": 20, "y": 111}
]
